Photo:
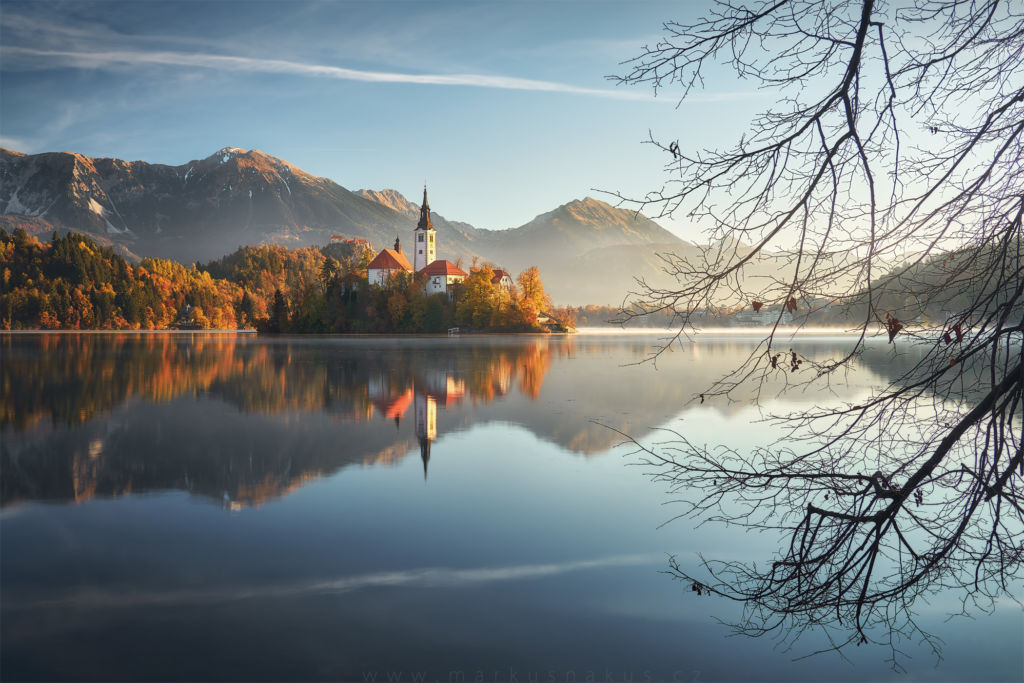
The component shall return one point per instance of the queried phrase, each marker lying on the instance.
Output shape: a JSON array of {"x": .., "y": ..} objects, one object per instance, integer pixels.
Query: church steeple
[
  {"x": 425, "y": 223},
  {"x": 424, "y": 238},
  {"x": 426, "y": 425},
  {"x": 425, "y": 454}
]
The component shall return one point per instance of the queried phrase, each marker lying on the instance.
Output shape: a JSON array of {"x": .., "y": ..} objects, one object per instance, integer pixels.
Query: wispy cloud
[
  {"x": 99, "y": 59},
  {"x": 17, "y": 144},
  {"x": 83, "y": 34},
  {"x": 428, "y": 577}
]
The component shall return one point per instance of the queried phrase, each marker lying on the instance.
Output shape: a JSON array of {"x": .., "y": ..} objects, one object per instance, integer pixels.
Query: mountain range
[{"x": 587, "y": 250}]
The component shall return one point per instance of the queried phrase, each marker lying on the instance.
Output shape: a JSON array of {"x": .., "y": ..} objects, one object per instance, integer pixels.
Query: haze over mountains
[{"x": 587, "y": 250}]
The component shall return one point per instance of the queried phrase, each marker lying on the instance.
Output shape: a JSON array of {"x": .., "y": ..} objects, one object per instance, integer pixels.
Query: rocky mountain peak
[
  {"x": 393, "y": 199},
  {"x": 225, "y": 154},
  {"x": 590, "y": 210},
  {"x": 592, "y": 221}
]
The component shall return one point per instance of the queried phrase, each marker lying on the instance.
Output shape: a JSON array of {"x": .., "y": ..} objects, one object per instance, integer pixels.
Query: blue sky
[{"x": 502, "y": 108}]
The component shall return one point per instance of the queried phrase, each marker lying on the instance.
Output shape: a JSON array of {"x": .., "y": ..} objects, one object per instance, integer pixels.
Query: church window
[{"x": 419, "y": 237}]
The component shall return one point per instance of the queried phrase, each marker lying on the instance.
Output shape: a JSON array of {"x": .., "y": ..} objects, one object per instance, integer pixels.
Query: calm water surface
[{"x": 219, "y": 507}]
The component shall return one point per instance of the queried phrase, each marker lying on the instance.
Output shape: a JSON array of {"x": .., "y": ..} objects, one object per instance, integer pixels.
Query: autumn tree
[
  {"x": 477, "y": 302},
  {"x": 246, "y": 310},
  {"x": 895, "y": 136},
  {"x": 70, "y": 282},
  {"x": 531, "y": 299},
  {"x": 352, "y": 256},
  {"x": 502, "y": 311},
  {"x": 438, "y": 315}
]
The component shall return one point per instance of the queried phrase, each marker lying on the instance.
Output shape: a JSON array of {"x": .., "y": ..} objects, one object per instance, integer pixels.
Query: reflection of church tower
[
  {"x": 426, "y": 425},
  {"x": 424, "y": 238}
]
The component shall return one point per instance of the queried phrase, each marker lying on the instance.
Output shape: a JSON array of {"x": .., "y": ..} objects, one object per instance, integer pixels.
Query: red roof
[
  {"x": 443, "y": 267},
  {"x": 498, "y": 274},
  {"x": 389, "y": 259},
  {"x": 395, "y": 407}
]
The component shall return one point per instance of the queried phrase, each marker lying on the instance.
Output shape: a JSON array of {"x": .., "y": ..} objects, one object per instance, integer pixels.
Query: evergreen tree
[{"x": 279, "y": 313}]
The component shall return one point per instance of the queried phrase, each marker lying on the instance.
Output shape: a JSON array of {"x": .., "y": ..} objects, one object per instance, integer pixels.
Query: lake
[{"x": 210, "y": 507}]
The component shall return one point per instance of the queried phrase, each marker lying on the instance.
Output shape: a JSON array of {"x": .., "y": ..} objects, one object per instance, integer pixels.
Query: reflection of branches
[
  {"x": 863, "y": 541},
  {"x": 918, "y": 488}
]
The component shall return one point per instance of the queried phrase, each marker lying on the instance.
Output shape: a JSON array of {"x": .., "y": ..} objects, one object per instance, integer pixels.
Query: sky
[{"x": 503, "y": 109}]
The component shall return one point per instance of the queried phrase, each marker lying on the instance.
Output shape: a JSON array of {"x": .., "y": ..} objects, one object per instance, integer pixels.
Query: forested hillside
[{"x": 70, "y": 282}]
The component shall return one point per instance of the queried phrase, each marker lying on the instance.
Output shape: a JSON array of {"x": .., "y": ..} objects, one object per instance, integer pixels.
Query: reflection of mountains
[
  {"x": 244, "y": 419},
  {"x": 86, "y": 415}
]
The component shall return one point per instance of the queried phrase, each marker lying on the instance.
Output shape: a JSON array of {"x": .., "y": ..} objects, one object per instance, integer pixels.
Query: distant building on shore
[{"x": 762, "y": 318}]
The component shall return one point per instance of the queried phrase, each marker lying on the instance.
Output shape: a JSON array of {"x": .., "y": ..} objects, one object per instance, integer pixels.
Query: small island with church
[
  {"x": 71, "y": 282},
  {"x": 428, "y": 294}
]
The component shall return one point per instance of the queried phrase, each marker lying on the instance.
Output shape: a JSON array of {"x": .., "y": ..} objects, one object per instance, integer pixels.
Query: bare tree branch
[{"x": 888, "y": 177}]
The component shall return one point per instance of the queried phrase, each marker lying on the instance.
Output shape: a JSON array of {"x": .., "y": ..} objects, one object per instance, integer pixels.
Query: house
[
  {"x": 387, "y": 263},
  {"x": 502, "y": 279},
  {"x": 441, "y": 275},
  {"x": 552, "y": 325},
  {"x": 394, "y": 407}
]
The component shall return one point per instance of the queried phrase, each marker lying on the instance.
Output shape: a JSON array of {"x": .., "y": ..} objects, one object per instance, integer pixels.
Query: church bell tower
[{"x": 424, "y": 238}]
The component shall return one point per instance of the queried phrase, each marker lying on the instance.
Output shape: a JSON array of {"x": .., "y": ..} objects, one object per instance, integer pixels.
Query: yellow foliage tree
[
  {"x": 532, "y": 299},
  {"x": 476, "y": 306}
]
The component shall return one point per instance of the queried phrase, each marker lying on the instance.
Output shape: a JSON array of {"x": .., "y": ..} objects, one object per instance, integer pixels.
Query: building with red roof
[
  {"x": 394, "y": 407},
  {"x": 387, "y": 263},
  {"x": 441, "y": 276},
  {"x": 502, "y": 279}
]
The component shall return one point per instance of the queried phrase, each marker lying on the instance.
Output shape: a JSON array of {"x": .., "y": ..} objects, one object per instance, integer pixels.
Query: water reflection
[
  {"x": 242, "y": 420},
  {"x": 73, "y": 378},
  {"x": 87, "y": 415},
  {"x": 532, "y": 547}
]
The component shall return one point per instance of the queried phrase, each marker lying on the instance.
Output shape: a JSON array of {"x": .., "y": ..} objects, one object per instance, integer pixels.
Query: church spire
[
  {"x": 425, "y": 454},
  {"x": 425, "y": 223}
]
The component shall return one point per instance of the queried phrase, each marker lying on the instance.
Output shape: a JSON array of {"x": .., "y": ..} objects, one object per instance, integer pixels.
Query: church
[{"x": 441, "y": 274}]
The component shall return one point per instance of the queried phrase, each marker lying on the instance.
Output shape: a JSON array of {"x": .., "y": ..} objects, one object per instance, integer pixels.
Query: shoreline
[
  {"x": 212, "y": 331},
  {"x": 580, "y": 331}
]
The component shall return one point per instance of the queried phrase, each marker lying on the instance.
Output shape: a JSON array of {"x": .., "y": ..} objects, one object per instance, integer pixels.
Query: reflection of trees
[
  {"x": 69, "y": 381},
  {"x": 70, "y": 378},
  {"x": 87, "y": 415},
  {"x": 532, "y": 371}
]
